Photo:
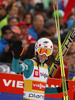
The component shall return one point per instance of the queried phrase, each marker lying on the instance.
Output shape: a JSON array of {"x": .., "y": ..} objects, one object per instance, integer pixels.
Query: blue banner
[{"x": 10, "y": 96}]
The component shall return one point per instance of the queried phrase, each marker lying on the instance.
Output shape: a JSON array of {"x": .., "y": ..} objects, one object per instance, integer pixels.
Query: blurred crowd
[{"x": 29, "y": 20}]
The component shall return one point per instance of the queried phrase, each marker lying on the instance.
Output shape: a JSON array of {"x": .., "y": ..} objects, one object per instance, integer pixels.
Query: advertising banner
[{"x": 12, "y": 83}]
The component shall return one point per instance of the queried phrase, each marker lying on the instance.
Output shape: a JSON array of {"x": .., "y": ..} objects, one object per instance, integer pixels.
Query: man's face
[
  {"x": 61, "y": 21},
  {"x": 2, "y": 11},
  {"x": 14, "y": 11},
  {"x": 25, "y": 44},
  {"x": 52, "y": 30},
  {"x": 24, "y": 29},
  {"x": 42, "y": 58},
  {"x": 8, "y": 34},
  {"x": 13, "y": 22},
  {"x": 28, "y": 19},
  {"x": 72, "y": 48},
  {"x": 39, "y": 22},
  {"x": 55, "y": 50}
]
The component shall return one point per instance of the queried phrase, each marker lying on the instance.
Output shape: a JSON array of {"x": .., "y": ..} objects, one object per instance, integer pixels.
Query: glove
[
  {"x": 57, "y": 62},
  {"x": 17, "y": 49},
  {"x": 59, "y": 89}
]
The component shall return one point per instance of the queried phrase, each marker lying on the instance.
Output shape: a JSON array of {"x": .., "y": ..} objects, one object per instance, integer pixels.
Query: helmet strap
[
  {"x": 46, "y": 59},
  {"x": 38, "y": 60}
]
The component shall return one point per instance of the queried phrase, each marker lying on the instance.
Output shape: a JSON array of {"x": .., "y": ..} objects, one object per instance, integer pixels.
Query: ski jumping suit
[{"x": 35, "y": 78}]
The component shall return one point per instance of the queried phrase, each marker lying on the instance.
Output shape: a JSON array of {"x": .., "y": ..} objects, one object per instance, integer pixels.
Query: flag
[{"x": 68, "y": 8}]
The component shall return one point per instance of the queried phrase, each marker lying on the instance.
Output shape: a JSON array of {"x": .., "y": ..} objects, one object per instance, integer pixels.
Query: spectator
[
  {"x": 71, "y": 19},
  {"x": 24, "y": 32},
  {"x": 52, "y": 59},
  {"x": 32, "y": 2},
  {"x": 6, "y": 55},
  {"x": 21, "y": 13},
  {"x": 39, "y": 9},
  {"x": 70, "y": 57},
  {"x": 3, "y": 16},
  {"x": 61, "y": 5},
  {"x": 70, "y": 22},
  {"x": 55, "y": 51},
  {"x": 27, "y": 6},
  {"x": 28, "y": 19},
  {"x": 12, "y": 10},
  {"x": 8, "y": 2},
  {"x": 37, "y": 27},
  {"x": 50, "y": 9},
  {"x": 12, "y": 21},
  {"x": 25, "y": 44},
  {"x": 5, "y": 3},
  {"x": 6, "y": 37},
  {"x": 50, "y": 29}
]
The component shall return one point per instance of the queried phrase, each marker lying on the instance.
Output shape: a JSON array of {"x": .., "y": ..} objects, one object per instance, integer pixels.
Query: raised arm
[{"x": 26, "y": 66}]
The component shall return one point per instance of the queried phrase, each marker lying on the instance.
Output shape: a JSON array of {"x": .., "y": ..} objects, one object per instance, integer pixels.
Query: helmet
[{"x": 45, "y": 45}]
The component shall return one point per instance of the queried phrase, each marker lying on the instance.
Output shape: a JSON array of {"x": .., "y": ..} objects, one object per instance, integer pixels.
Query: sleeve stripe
[{"x": 24, "y": 66}]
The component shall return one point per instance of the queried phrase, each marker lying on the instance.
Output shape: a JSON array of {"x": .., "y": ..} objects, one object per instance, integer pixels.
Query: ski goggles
[{"x": 42, "y": 51}]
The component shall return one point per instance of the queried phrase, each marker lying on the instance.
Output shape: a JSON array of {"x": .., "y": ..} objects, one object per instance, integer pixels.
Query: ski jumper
[{"x": 35, "y": 77}]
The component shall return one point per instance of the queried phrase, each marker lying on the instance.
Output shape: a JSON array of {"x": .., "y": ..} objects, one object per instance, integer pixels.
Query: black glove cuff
[
  {"x": 57, "y": 62},
  {"x": 59, "y": 89}
]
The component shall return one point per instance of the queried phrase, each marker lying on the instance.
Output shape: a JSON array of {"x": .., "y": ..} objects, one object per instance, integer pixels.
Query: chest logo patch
[{"x": 36, "y": 73}]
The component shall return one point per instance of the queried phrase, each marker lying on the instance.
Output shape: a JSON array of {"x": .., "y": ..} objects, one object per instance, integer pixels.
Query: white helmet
[{"x": 44, "y": 43}]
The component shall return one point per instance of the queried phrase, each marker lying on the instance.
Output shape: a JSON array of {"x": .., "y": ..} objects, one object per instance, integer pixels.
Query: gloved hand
[
  {"x": 17, "y": 49},
  {"x": 57, "y": 62},
  {"x": 59, "y": 89}
]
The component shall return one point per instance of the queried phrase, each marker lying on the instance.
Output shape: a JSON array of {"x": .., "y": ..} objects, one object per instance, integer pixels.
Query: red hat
[
  {"x": 1, "y": 3},
  {"x": 21, "y": 23}
]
